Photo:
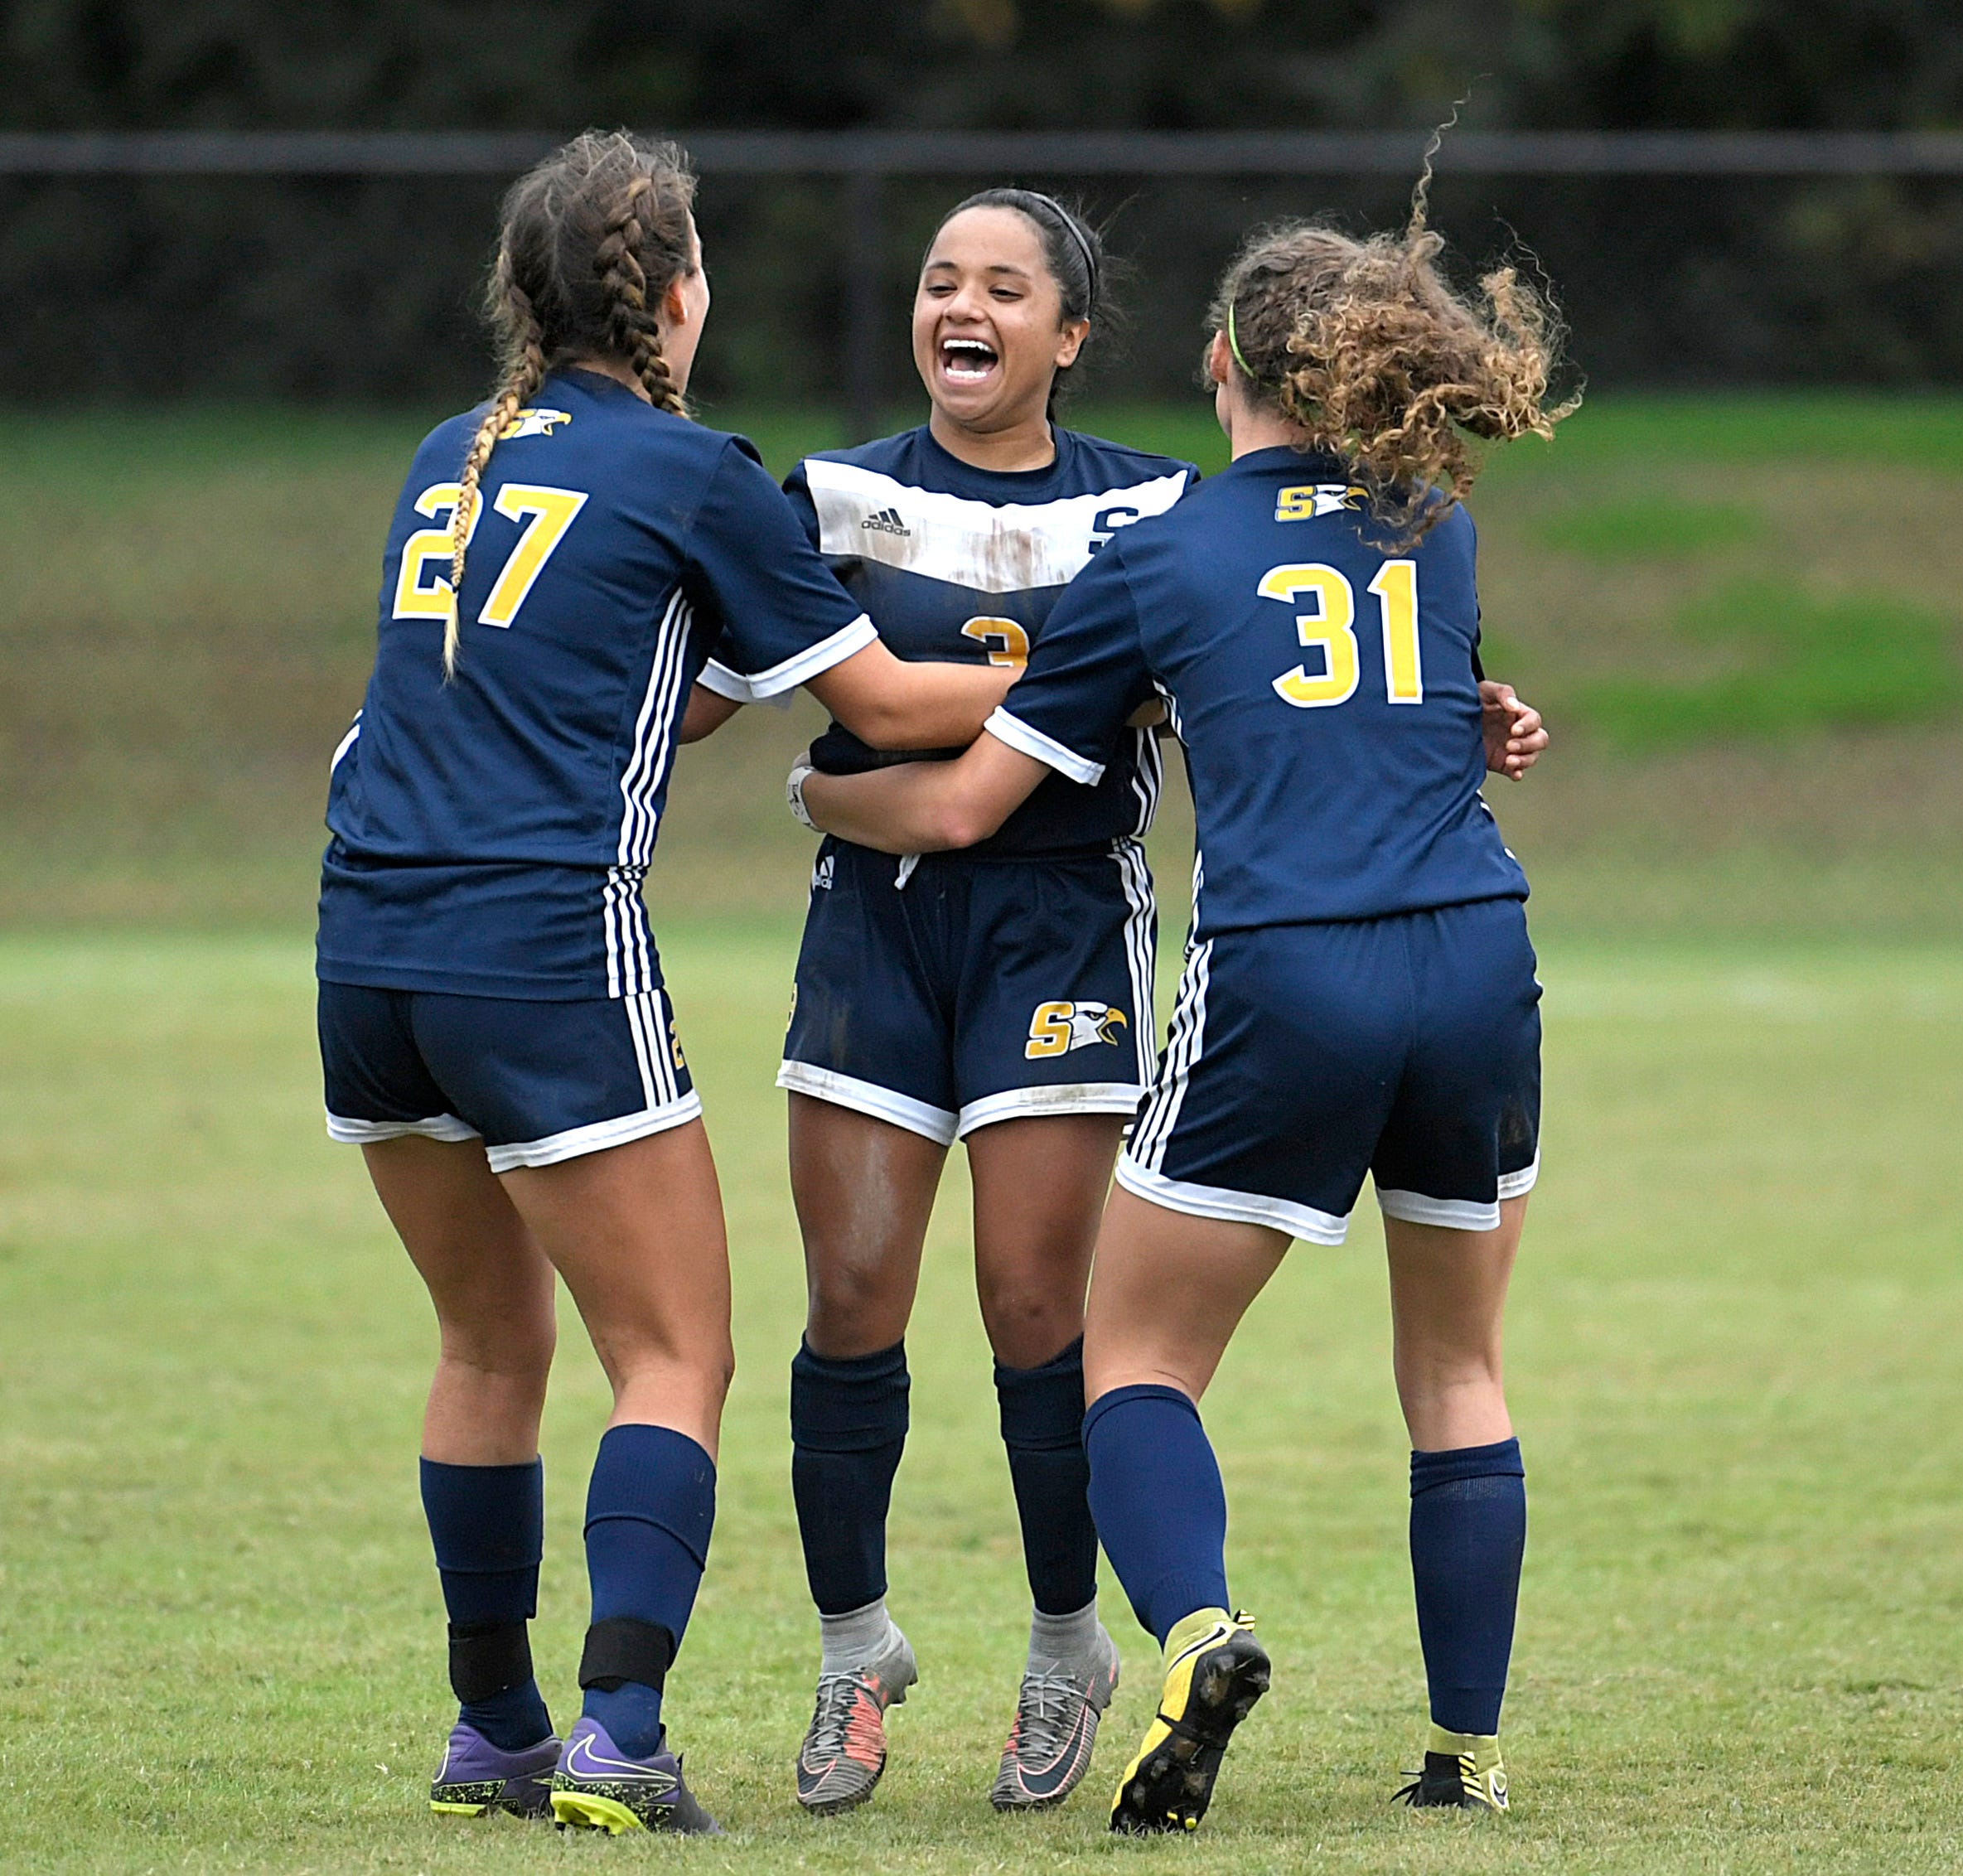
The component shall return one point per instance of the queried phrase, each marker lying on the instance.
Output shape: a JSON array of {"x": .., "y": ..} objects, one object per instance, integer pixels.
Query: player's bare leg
[
  {"x": 864, "y": 1190},
  {"x": 636, "y": 1231},
  {"x": 492, "y": 1288},
  {"x": 1040, "y": 1184},
  {"x": 1166, "y": 1294},
  {"x": 1468, "y": 1508}
]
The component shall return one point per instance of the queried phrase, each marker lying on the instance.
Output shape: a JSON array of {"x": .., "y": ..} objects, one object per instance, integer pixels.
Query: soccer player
[
  {"x": 1359, "y": 992},
  {"x": 1001, "y": 996},
  {"x": 493, "y": 1027}
]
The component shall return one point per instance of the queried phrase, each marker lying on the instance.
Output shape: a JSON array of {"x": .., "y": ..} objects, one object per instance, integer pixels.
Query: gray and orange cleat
[
  {"x": 1056, "y": 1728},
  {"x": 476, "y": 1776},
  {"x": 1215, "y": 1671},
  {"x": 599, "y": 1787},
  {"x": 845, "y": 1748}
]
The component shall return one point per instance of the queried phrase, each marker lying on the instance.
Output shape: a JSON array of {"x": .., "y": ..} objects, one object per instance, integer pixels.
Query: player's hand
[
  {"x": 794, "y": 791},
  {"x": 1511, "y": 728}
]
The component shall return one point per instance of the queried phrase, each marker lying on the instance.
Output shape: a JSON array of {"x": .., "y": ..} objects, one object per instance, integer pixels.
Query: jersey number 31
[
  {"x": 546, "y": 513},
  {"x": 1332, "y": 628}
]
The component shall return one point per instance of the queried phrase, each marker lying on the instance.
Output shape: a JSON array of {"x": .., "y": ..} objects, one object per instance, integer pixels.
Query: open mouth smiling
[{"x": 967, "y": 361}]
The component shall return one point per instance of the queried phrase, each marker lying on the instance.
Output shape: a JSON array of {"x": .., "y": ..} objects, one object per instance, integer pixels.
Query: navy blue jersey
[
  {"x": 960, "y": 565},
  {"x": 490, "y": 833},
  {"x": 1322, "y": 687}
]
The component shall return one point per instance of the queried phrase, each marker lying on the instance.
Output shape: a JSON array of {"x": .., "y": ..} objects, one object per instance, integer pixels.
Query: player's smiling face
[{"x": 988, "y": 330}]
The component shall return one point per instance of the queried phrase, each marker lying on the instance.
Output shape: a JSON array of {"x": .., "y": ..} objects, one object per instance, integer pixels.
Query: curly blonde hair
[
  {"x": 1366, "y": 347},
  {"x": 589, "y": 241}
]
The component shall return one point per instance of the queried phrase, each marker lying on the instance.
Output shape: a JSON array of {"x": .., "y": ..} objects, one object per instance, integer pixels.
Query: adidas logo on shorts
[{"x": 887, "y": 521}]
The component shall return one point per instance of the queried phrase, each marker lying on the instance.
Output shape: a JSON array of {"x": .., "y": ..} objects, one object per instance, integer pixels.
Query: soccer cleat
[
  {"x": 1215, "y": 1672},
  {"x": 1462, "y": 1771},
  {"x": 1055, "y": 1727},
  {"x": 845, "y": 1748},
  {"x": 599, "y": 1787},
  {"x": 476, "y": 1776}
]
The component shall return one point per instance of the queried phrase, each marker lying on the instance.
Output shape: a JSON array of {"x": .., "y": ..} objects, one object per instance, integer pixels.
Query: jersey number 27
[
  {"x": 1332, "y": 628},
  {"x": 547, "y": 514}
]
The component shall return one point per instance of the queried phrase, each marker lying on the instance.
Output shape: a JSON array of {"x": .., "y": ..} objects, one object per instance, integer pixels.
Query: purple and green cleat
[
  {"x": 476, "y": 1776},
  {"x": 599, "y": 1787}
]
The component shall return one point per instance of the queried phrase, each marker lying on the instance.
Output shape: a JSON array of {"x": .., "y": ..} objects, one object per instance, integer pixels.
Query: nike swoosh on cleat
[{"x": 596, "y": 1765}]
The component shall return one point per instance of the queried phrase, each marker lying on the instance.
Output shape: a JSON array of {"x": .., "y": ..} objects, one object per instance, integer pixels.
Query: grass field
[
  {"x": 1734, "y": 1358},
  {"x": 1734, "y": 1343}
]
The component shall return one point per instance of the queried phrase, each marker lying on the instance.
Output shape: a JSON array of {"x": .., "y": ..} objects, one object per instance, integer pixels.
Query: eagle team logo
[
  {"x": 534, "y": 423},
  {"x": 1057, "y": 1028},
  {"x": 1307, "y": 501}
]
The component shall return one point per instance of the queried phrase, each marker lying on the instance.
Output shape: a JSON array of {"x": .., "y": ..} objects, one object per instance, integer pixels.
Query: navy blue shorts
[
  {"x": 971, "y": 991},
  {"x": 1301, "y": 1057},
  {"x": 536, "y": 1082}
]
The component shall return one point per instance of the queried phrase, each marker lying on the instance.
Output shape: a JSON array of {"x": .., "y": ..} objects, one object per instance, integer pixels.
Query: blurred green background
[{"x": 1740, "y": 613}]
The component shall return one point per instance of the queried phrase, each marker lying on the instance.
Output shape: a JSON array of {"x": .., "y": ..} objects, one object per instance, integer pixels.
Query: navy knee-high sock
[
  {"x": 1160, "y": 1507},
  {"x": 847, "y": 1430},
  {"x": 1043, "y": 1426},
  {"x": 488, "y": 1527},
  {"x": 649, "y": 1512},
  {"x": 1468, "y": 1532}
]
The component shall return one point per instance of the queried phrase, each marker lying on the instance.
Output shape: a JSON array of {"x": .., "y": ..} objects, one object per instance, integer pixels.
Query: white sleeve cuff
[
  {"x": 814, "y": 661},
  {"x": 724, "y": 682},
  {"x": 1018, "y": 735}
]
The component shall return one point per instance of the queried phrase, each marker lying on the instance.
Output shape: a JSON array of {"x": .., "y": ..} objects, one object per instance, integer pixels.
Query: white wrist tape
[{"x": 794, "y": 795}]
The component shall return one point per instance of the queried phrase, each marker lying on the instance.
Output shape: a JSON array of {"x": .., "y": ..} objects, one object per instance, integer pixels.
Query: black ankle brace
[
  {"x": 488, "y": 1658},
  {"x": 625, "y": 1648}
]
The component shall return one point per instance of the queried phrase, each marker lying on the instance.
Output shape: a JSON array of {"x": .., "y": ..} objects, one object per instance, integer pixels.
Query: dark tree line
[{"x": 364, "y": 288}]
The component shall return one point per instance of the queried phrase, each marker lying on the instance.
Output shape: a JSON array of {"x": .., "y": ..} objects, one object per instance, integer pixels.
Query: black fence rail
[{"x": 1757, "y": 220}]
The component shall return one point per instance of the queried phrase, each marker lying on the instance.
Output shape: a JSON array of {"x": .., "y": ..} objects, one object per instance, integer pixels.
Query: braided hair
[
  {"x": 588, "y": 243},
  {"x": 1073, "y": 255}
]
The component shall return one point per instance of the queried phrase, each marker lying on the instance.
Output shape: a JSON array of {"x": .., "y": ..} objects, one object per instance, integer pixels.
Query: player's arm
[
  {"x": 1511, "y": 728},
  {"x": 922, "y": 807},
  {"x": 706, "y": 714},
  {"x": 891, "y": 702},
  {"x": 1086, "y": 675}
]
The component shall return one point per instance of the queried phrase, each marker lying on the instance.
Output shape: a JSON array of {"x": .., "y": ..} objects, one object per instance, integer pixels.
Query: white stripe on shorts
[
  {"x": 595, "y": 1138},
  {"x": 1182, "y": 1050},
  {"x": 1300, "y": 1221},
  {"x": 351, "y": 1133}
]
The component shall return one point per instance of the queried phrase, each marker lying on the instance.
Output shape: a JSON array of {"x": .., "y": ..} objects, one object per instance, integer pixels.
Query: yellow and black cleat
[
  {"x": 1215, "y": 1672},
  {"x": 1463, "y": 1771}
]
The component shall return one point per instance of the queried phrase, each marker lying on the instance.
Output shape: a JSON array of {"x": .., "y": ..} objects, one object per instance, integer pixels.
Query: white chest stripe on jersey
[{"x": 987, "y": 547}]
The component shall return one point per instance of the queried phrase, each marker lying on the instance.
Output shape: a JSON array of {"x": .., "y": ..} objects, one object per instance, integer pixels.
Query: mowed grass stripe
[{"x": 1733, "y": 1353}]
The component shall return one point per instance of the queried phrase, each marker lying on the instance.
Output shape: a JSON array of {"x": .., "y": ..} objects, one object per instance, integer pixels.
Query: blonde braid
[
  {"x": 635, "y": 330},
  {"x": 525, "y": 371}
]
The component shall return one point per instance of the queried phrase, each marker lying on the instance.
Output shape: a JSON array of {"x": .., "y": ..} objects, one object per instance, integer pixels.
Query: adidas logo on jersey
[
  {"x": 887, "y": 521},
  {"x": 534, "y": 423},
  {"x": 1057, "y": 1028}
]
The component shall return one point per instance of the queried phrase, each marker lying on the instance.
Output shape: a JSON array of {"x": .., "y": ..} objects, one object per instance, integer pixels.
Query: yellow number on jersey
[
  {"x": 551, "y": 511},
  {"x": 1331, "y": 628},
  {"x": 1328, "y": 628},
  {"x": 416, "y": 596},
  {"x": 1008, "y": 642},
  {"x": 422, "y": 594},
  {"x": 1396, "y": 588}
]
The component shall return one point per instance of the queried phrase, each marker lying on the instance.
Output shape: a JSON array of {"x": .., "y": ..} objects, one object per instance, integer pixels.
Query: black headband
[{"x": 1076, "y": 234}]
